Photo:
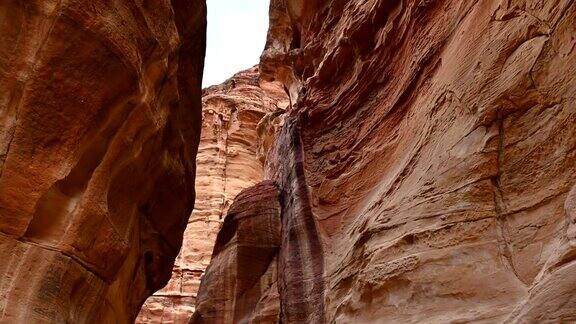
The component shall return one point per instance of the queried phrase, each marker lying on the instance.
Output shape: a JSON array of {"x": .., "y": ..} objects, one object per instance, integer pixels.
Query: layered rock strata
[
  {"x": 427, "y": 162},
  {"x": 99, "y": 125},
  {"x": 239, "y": 122}
]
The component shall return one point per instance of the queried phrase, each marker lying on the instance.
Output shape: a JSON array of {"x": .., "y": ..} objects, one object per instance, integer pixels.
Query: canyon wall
[
  {"x": 238, "y": 120},
  {"x": 244, "y": 262},
  {"x": 426, "y": 168},
  {"x": 99, "y": 125}
]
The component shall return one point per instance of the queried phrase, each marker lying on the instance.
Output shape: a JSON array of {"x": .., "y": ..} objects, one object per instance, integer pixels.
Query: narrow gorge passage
[
  {"x": 237, "y": 128},
  {"x": 424, "y": 165},
  {"x": 383, "y": 161},
  {"x": 239, "y": 121}
]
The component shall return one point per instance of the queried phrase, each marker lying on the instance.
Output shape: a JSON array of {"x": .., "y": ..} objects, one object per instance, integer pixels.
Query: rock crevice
[{"x": 238, "y": 124}]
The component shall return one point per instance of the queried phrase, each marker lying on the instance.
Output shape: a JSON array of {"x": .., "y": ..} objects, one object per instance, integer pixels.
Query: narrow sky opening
[{"x": 236, "y": 37}]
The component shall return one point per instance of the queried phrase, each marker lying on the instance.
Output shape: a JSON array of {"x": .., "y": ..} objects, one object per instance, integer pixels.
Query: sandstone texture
[
  {"x": 426, "y": 167},
  {"x": 100, "y": 118},
  {"x": 240, "y": 283},
  {"x": 239, "y": 120}
]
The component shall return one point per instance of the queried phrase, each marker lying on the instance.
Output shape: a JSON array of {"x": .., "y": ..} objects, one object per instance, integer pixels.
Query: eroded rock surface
[
  {"x": 240, "y": 118},
  {"x": 240, "y": 283},
  {"x": 99, "y": 125},
  {"x": 426, "y": 164}
]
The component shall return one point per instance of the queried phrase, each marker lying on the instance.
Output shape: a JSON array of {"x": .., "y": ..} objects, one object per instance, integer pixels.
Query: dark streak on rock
[{"x": 301, "y": 261}]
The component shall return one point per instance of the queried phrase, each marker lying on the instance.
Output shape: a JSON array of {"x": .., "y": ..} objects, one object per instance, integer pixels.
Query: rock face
[
  {"x": 427, "y": 163},
  {"x": 237, "y": 128},
  {"x": 244, "y": 266},
  {"x": 99, "y": 125}
]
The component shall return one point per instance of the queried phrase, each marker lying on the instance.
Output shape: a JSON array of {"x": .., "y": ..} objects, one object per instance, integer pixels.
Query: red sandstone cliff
[
  {"x": 426, "y": 169},
  {"x": 237, "y": 124},
  {"x": 99, "y": 127}
]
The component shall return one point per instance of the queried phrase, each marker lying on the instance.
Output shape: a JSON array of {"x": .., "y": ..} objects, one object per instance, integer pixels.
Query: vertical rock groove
[{"x": 301, "y": 262}]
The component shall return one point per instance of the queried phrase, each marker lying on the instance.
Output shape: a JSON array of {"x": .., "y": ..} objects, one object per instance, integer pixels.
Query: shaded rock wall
[
  {"x": 239, "y": 121},
  {"x": 300, "y": 257},
  {"x": 99, "y": 127},
  {"x": 239, "y": 285},
  {"x": 427, "y": 162}
]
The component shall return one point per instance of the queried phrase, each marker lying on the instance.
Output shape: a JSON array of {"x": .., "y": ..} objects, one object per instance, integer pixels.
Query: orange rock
[
  {"x": 426, "y": 161},
  {"x": 439, "y": 148},
  {"x": 239, "y": 122},
  {"x": 99, "y": 125},
  {"x": 240, "y": 283}
]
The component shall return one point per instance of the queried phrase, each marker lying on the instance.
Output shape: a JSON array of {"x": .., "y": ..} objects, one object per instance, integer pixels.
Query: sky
[{"x": 236, "y": 37}]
